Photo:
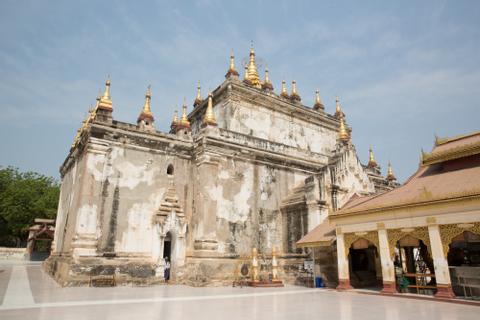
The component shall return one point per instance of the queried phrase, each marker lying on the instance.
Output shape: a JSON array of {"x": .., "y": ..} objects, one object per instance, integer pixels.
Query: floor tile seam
[{"x": 147, "y": 300}]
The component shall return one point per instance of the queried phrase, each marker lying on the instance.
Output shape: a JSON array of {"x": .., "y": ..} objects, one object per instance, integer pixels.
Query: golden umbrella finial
[
  {"x": 390, "y": 175},
  {"x": 251, "y": 70},
  {"x": 146, "y": 110},
  {"x": 371, "y": 159},
  {"x": 184, "y": 120},
  {"x": 198, "y": 99},
  {"x": 231, "y": 69},
  {"x": 105, "y": 100},
  {"x": 342, "y": 132},
  {"x": 209, "y": 118},
  {"x": 284, "y": 92},
  {"x": 338, "y": 110},
  {"x": 294, "y": 95},
  {"x": 267, "y": 84},
  {"x": 318, "y": 102}
]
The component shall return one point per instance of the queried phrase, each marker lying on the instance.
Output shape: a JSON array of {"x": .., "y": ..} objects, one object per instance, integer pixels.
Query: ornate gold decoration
[
  {"x": 231, "y": 69},
  {"x": 390, "y": 175},
  {"x": 184, "y": 123},
  {"x": 174, "y": 124},
  {"x": 198, "y": 98},
  {"x": 342, "y": 132},
  {"x": 394, "y": 235},
  {"x": 209, "y": 118},
  {"x": 350, "y": 238},
  {"x": 146, "y": 110},
  {"x": 460, "y": 151},
  {"x": 105, "y": 101},
  {"x": 338, "y": 109},
  {"x": 267, "y": 85},
  {"x": 284, "y": 92},
  {"x": 318, "y": 102},
  {"x": 251, "y": 71},
  {"x": 371, "y": 159},
  {"x": 450, "y": 231},
  {"x": 294, "y": 95},
  {"x": 380, "y": 226}
]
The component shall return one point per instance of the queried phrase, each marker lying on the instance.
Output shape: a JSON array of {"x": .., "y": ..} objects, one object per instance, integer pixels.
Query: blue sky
[{"x": 404, "y": 70}]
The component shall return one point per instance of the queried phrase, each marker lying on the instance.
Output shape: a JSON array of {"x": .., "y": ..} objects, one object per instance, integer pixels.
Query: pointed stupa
[
  {"x": 294, "y": 95},
  {"x": 283, "y": 92},
  {"x": 209, "y": 118},
  {"x": 146, "y": 114},
  {"x": 338, "y": 110},
  {"x": 198, "y": 99},
  {"x": 232, "y": 72},
  {"x": 267, "y": 84},
  {"x": 184, "y": 123},
  {"x": 318, "y": 102},
  {"x": 390, "y": 175},
  {"x": 174, "y": 124},
  {"x": 371, "y": 159},
  {"x": 343, "y": 132},
  {"x": 245, "y": 76},
  {"x": 105, "y": 101},
  {"x": 251, "y": 72}
]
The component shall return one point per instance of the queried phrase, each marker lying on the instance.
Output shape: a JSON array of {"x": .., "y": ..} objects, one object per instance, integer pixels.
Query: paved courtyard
[{"x": 27, "y": 293}]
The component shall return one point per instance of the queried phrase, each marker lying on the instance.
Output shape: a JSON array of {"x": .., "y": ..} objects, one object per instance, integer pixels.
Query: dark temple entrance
[{"x": 167, "y": 246}]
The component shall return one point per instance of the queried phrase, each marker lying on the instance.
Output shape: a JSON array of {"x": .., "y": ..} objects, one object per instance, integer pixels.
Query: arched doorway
[
  {"x": 464, "y": 263},
  {"x": 364, "y": 265},
  {"x": 414, "y": 267}
]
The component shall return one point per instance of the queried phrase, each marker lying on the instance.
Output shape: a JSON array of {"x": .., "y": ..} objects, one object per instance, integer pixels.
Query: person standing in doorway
[{"x": 167, "y": 270}]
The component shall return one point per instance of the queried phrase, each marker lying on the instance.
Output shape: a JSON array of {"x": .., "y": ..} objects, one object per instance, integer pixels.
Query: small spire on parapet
[
  {"x": 283, "y": 92},
  {"x": 267, "y": 84},
  {"x": 198, "y": 98},
  {"x": 232, "y": 72},
  {"x": 343, "y": 134},
  {"x": 251, "y": 73},
  {"x": 294, "y": 95},
  {"x": 184, "y": 123},
  {"x": 174, "y": 124},
  {"x": 390, "y": 175},
  {"x": 209, "y": 118},
  {"x": 371, "y": 159},
  {"x": 105, "y": 101},
  {"x": 338, "y": 110},
  {"x": 318, "y": 102}
]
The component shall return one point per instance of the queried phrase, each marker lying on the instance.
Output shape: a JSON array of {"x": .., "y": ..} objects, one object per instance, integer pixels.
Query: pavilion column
[
  {"x": 342, "y": 258},
  {"x": 388, "y": 268},
  {"x": 442, "y": 274}
]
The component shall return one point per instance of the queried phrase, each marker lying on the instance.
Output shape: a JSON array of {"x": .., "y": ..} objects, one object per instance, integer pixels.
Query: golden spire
[
  {"x": 338, "y": 110},
  {"x": 294, "y": 95},
  {"x": 390, "y": 175},
  {"x": 231, "y": 69},
  {"x": 284, "y": 92},
  {"x": 267, "y": 85},
  {"x": 209, "y": 118},
  {"x": 371, "y": 159},
  {"x": 146, "y": 111},
  {"x": 105, "y": 100},
  {"x": 184, "y": 120},
  {"x": 198, "y": 99},
  {"x": 252, "y": 74},
  {"x": 174, "y": 124},
  {"x": 245, "y": 75},
  {"x": 318, "y": 102},
  {"x": 342, "y": 132}
]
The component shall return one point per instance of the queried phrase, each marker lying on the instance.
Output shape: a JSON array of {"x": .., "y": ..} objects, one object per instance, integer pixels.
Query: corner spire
[
  {"x": 390, "y": 175},
  {"x": 105, "y": 101},
  {"x": 209, "y": 118},
  {"x": 184, "y": 123},
  {"x": 232, "y": 72},
  {"x": 267, "y": 84},
  {"x": 198, "y": 99},
  {"x": 174, "y": 124},
  {"x": 343, "y": 134},
  {"x": 371, "y": 159},
  {"x": 284, "y": 92},
  {"x": 294, "y": 95},
  {"x": 146, "y": 113},
  {"x": 318, "y": 102},
  {"x": 251, "y": 70},
  {"x": 338, "y": 110}
]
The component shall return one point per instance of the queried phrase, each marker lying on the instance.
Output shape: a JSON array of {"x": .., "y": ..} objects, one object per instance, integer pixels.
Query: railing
[{"x": 421, "y": 282}]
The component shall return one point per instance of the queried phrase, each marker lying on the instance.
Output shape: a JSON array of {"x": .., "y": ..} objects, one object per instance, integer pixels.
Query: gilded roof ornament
[
  {"x": 209, "y": 118},
  {"x": 267, "y": 84},
  {"x": 184, "y": 123},
  {"x": 294, "y": 95},
  {"x": 284, "y": 92},
  {"x": 231, "y": 69},
  {"x": 198, "y": 98},
  {"x": 173, "y": 125},
  {"x": 343, "y": 132},
  {"x": 146, "y": 110},
  {"x": 371, "y": 159},
  {"x": 318, "y": 102},
  {"x": 338, "y": 110},
  {"x": 251, "y": 70},
  {"x": 105, "y": 100},
  {"x": 390, "y": 175}
]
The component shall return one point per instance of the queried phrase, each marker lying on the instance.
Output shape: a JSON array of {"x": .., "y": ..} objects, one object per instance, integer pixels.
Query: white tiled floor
[{"x": 30, "y": 294}]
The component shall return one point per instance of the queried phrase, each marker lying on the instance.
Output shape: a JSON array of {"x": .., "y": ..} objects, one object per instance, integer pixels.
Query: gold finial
[
  {"x": 231, "y": 69},
  {"x": 342, "y": 132},
  {"x": 390, "y": 175},
  {"x": 267, "y": 85},
  {"x": 251, "y": 71},
  {"x": 184, "y": 120},
  {"x": 245, "y": 75},
  {"x": 371, "y": 159},
  {"x": 294, "y": 95},
  {"x": 105, "y": 100},
  {"x": 209, "y": 118},
  {"x": 146, "y": 110},
  {"x": 338, "y": 110},
  {"x": 284, "y": 92},
  {"x": 174, "y": 124},
  {"x": 198, "y": 99},
  {"x": 318, "y": 102}
]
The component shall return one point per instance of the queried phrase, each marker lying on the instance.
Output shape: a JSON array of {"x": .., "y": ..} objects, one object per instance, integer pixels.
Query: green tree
[{"x": 24, "y": 196}]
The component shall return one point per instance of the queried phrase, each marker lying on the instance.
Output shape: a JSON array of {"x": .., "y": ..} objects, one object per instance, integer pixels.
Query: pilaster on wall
[
  {"x": 388, "y": 268},
  {"x": 342, "y": 258},
  {"x": 442, "y": 274}
]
